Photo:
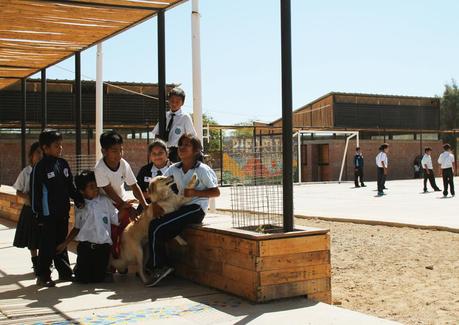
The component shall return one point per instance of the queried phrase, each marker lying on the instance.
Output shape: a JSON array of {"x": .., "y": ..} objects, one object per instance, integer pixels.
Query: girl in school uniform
[
  {"x": 172, "y": 224},
  {"x": 27, "y": 230},
  {"x": 159, "y": 164}
]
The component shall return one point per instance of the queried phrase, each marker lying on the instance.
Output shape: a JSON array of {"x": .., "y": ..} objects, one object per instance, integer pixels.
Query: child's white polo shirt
[
  {"x": 22, "y": 183},
  {"x": 116, "y": 178},
  {"x": 182, "y": 124},
  {"x": 380, "y": 158},
  {"x": 446, "y": 160},
  {"x": 427, "y": 161},
  {"x": 94, "y": 220},
  {"x": 206, "y": 179}
]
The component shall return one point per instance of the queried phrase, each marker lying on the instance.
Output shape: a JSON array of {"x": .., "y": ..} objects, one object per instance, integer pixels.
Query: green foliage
[
  {"x": 449, "y": 111},
  {"x": 214, "y": 142},
  {"x": 450, "y": 106}
]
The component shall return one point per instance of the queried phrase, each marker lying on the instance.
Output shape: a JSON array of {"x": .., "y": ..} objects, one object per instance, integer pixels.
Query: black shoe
[
  {"x": 357, "y": 186},
  {"x": 380, "y": 193},
  {"x": 425, "y": 190},
  {"x": 48, "y": 283},
  {"x": 363, "y": 185},
  {"x": 109, "y": 278},
  {"x": 437, "y": 190},
  {"x": 158, "y": 275},
  {"x": 66, "y": 278}
]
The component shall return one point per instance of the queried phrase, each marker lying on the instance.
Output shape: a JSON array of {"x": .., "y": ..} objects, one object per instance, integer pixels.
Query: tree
[{"x": 449, "y": 110}]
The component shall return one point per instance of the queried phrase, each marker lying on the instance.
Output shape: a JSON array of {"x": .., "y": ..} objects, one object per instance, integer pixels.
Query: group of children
[
  {"x": 445, "y": 160},
  {"x": 103, "y": 207}
]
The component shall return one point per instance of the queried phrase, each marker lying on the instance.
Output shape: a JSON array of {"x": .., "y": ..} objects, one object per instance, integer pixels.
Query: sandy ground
[{"x": 404, "y": 274}]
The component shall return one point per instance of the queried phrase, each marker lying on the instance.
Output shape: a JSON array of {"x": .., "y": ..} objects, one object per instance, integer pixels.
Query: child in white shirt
[
  {"x": 112, "y": 172},
  {"x": 382, "y": 164},
  {"x": 92, "y": 230},
  {"x": 27, "y": 231},
  {"x": 446, "y": 161},
  {"x": 426, "y": 164},
  {"x": 178, "y": 123}
]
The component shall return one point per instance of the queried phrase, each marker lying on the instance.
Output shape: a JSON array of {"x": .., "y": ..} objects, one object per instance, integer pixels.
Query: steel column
[
  {"x": 162, "y": 74},
  {"x": 287, "y": 123},
  {"x": 78, "y": 108},
  {"x": 44, "y": 100},
  {"x": 23, "y": 122}
]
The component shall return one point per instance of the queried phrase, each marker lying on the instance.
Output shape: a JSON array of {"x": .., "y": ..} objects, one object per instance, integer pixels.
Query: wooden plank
[
  {"x": 293, "y": 289},
  {"x": 240, "y": 275},
  {"x": 295, "y": 245},
  {"x": 295, "y": 274},
  {"x": 268, "y": 263},
  {"x": 325, "y": 297},
  {"x": 217, "y": 281},
  {"x": 223, "y": 241}
]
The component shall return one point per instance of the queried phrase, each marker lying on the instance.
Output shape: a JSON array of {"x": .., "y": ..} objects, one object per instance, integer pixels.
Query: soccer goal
[{"x": 349, "y": 135}]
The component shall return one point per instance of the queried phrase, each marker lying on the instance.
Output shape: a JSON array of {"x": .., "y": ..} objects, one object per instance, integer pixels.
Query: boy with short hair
[
  {"x": 51, "y": 188},
  {"x": 358, "y": 168},
  {"x": 112, "y": 172},
  {"x": 92, "y": 231},
  {"x": 426, "y": 164},
  {"x": 178, "y": 123},
  {"x": 446, "y": 161},
  {"x": 382, "y": 164}
]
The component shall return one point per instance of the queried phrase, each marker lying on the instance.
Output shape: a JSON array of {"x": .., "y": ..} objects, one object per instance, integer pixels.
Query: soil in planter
[{"x": 265, "y": 229}]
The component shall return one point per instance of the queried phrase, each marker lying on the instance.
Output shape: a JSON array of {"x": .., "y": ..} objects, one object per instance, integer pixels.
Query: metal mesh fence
[
  {"x": 256, "y": 191},
  {"x": 81, "y": 162}
]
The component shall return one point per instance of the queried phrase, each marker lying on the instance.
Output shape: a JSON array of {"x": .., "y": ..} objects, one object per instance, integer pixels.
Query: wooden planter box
[{"x": 258, "y": 267}]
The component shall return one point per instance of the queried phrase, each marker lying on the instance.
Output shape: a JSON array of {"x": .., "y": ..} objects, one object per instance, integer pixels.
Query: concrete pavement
[
  {"x": 404, "y": 204},
  {"x": 126, "y": 301}
]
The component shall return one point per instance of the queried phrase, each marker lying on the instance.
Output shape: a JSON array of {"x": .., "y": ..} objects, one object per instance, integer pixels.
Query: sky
[{"x": 392, "y": 47}]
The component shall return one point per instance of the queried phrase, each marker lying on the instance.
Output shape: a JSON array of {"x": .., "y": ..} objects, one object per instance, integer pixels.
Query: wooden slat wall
[{"x": 37, "y": 34}]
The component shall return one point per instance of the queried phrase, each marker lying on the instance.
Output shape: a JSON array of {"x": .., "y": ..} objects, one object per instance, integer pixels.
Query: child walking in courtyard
[
  {"x": 51, "y": 189},
  {"x": 382, "y": 165},
  {"x": 92, "y": 231},
  {"x": 426, "y": 164},
  {"x": 178, "y": 123},
  {"x": 358, "y": 168},
  {"x": 172, "y": 224},
  {"x": 112, "y": 172},
  {"x": 27, "y": 230},
  {"x": 446, "y": 161}
]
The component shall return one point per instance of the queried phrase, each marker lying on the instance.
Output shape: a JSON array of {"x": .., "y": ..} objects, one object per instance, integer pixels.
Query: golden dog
[{"x": 135, "y": 235}]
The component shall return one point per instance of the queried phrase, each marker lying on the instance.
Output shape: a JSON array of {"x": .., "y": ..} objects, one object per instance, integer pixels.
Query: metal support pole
[
  {"x": 287, "y": 123},
  {"x": 23, "y": 122},
  {"x": 299, "y": 162},
  {"x": 44, "y": 100},
  {"x": 99, "y": 100},
  {"x": 344, "y": 156},
  {"x": 196, "y": 57},
  {"x": 221, "y": 157},
  {"x": 162, "y": 74},
  {"x": 78, "y": 108}
]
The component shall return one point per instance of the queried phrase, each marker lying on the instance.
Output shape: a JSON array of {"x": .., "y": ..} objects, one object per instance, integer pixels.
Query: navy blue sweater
[
  {"x": 358, "y": 161},
  {"x": 51, "y": 186}
]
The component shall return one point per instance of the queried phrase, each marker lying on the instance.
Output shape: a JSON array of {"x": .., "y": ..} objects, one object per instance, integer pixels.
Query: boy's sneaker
[
  {"x": 158, "y": 275},
  {"x": 48, "y": 283},
  {"x": 380, "y": 193}
]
